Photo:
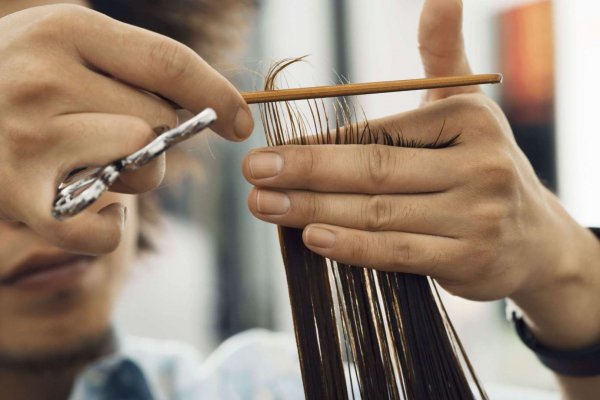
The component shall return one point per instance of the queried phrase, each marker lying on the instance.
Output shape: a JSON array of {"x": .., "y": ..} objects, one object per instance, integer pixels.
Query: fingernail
[
  {"x": 272, "y": 203},
  {"x": 265, "y": 165},
  {"x": 319, "y": 237},
  {"x": 243, "y": 123}
]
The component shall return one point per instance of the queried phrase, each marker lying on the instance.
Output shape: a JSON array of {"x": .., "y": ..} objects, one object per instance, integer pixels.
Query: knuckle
[
  {"x": 498, "y": 173},
  {"x": 26, "y": 139},
  {"x": 37, "y": 82},
  {"x": 52, "y": 21},
  {"x": 378, "y": 213},
  {"x": 490, "y": 219},
  {"x": 470, "y": 102},
  {"x": 170, "y": 59},
  {"x": 68, "y": 12},
  {"x": 309, "y": 160},
  {"x": 59, "y": 21},
  {"x": 478, "y": 108},
  {"x": 314, "y": 208},
  {"x": 377, "y": 161},
  {"x": 402, "y": 252}
]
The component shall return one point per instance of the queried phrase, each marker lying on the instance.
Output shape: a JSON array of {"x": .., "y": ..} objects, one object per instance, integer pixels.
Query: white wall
[{"x": 578, "y": 64}]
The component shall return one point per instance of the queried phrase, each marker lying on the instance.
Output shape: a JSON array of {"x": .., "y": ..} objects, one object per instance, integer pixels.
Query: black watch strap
[{"x": 581, "y": 362}]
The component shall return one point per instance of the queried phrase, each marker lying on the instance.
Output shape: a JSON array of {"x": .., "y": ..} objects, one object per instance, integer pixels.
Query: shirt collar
[{"x": 116, "y": 373}]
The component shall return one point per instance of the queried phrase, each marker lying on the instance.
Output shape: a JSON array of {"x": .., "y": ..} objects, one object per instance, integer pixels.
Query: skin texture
[
  {"x": 66, "y": 52},
  {"x": 473, "y": 216},
  {"x": 60, "y": 110}
]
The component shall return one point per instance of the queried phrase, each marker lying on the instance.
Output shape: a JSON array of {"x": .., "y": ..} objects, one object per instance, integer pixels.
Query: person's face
[{"x": 52, "y": 301}]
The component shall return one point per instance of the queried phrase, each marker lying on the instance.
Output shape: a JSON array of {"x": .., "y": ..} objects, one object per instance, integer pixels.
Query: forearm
[{"x": 565, "y": 313}]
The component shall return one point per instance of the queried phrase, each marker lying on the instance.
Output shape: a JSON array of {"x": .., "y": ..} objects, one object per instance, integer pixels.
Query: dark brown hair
[
  {"x": 211, "y": 27},
  {"x": 362, "y": 332}
]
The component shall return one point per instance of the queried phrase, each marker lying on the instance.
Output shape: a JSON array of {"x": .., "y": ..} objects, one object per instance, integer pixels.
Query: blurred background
[{"x": 218, "y": 271}]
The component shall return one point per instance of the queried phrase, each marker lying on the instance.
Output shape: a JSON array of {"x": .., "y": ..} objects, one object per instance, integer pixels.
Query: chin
[
  {"x": 56, "y": 342},
  {"x": 75, "y": 327}
]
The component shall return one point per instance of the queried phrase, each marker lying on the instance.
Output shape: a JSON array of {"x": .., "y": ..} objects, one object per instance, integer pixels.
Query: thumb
[{"x": 442, "y": 46}]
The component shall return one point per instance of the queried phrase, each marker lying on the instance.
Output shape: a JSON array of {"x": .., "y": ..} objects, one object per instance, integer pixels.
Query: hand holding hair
[{"x": 473, "y": 215}]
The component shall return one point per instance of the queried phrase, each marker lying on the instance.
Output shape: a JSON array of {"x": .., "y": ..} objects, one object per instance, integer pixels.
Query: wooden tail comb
[{"x": 354, "y": 89}]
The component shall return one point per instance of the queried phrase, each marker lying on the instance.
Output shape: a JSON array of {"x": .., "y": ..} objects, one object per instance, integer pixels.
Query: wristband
[{"x": 580, "y": 362}]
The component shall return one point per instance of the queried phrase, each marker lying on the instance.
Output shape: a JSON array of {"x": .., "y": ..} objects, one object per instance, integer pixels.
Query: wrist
[
  {"x": 560, "y": 303},
  {"x": 583, "y": 362}
]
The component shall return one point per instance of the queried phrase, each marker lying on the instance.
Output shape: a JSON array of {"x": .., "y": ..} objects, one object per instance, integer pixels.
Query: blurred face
[{"x": 51, "y": 302}]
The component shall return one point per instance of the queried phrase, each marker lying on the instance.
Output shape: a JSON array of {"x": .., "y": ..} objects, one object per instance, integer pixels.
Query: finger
[
  {"x": 159, "y": 64},
  {"x": 93, "y": 140},
  {"x": 386, "y": 251},
  {"x": 441, "y": 44},
  {"x": 426, "y": 214},
  {"x": 453, "y": 123},
  {"x": 109, "y": 96},
  {"x": 90, "y": 232},
  {"x": 369, "y": 169}
]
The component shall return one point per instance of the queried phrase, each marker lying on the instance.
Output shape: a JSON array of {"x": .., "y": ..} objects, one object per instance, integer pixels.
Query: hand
[
  {"x": 474, "y": 216},
  {"x": 69, "y": 98}
]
